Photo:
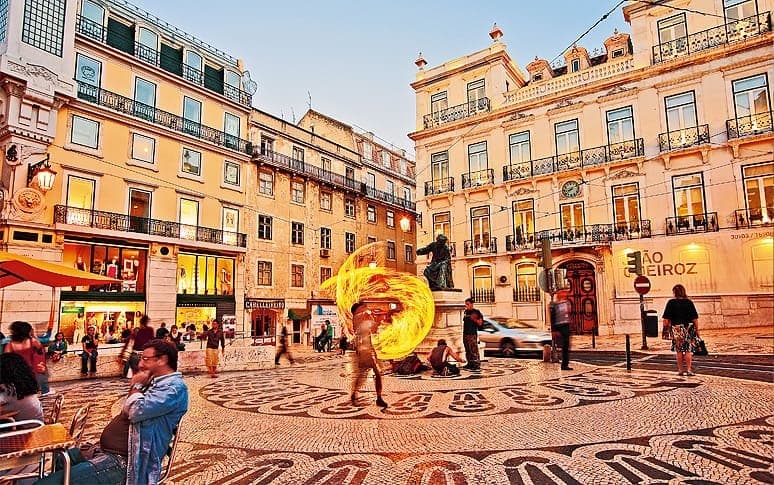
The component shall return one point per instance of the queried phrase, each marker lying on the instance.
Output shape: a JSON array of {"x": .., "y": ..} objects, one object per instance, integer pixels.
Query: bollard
[
  {"x": 546, "y": 353},
  {"x": 628, "y": 355}
]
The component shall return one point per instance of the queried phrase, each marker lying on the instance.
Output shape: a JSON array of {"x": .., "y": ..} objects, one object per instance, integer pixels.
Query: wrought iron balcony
[
  {"x": 749, "y": 125},
  {"x": 439, "y": 186},
  {"x": 477, "y": 179},
  {"x": 122, "y": 104},
  {"x": 97, "y": 32},
  {"x": 754, "y": 217},
  {"x": 589, "y": 235},
  {"x": 520, "y": 242},
  {"x": 300, "y": 167},
  {"x": 143, "y": 225},
  {"x": 481, "y": 246},
  {"x": 459, "y": 112},
  {"x": 728, "y": 33},
  {"x": 587, "y": 157},
  {"x": 482, "y": 295},
  {"x": 690, "y": 224},
  {"x": 687, "y": 137},
  {"x": 526, "y": 293},
  {"x": 632, "y": 230},
  {"x": 517, "y": 171},
  {"x": 390, "y": 199}
]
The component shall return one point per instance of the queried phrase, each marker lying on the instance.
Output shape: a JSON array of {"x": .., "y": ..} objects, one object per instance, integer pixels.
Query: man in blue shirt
[{"x": 134, "y": 442}]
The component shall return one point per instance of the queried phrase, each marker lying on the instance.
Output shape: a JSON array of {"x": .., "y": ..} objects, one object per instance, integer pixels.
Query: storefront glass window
[
  {"x": 205, "y": 275},
  {"x": 125, "y": 264},
  {"x": 186, "y": 269},
  {"x": 225, "y": 276},
  {"x": 108, "y": 317}
]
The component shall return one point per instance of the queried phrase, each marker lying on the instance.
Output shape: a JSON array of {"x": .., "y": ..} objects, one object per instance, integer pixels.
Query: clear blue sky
[{"x": 356, "y": 58}]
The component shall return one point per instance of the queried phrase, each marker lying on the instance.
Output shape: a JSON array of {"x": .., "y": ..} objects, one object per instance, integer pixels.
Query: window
[
  {"x": 476, "y": 91},
  {"x": 231, "y": 129},
  {"x": 349, "y": 207},
  {"x": 673, "y": 32},
  {"x": 80, "y": 192},
  {"x": 325, "y": 163},
  {"x": 572, "y": 220},
  {"x": 325, "y": 274},
  {"x": 371, "y": 213},
  {"x": 389, "y": 187},
  {"x": 191, "y": 162},
  {"x": 408, "y": 252},
  {"x": 407, "y": 194},
  {"x": 297, "y": 275},
  {"x": 349, "y": 242},
  {"x": 192, "y": 116},
  {"x": 85, "y": 132},
  {"x": 438, "y": 103},
  {"x": 92, "y": 20},
  {"x": 477, "y": 159},
  {"x": 325, "y": 237},
  {"x": 751, "y": 97},
  {"x": 620, "y": 125},
  {"x": 192, "y": 69},
  {"x": 739, "y": 9},
  {"x": 524, "y": 222},
  {"x": 267, "y": 146},
  {"x": 689, "y": 195},
  {"x": 233, "y": 86},
  {"x": 575, "y": 65},
  {"x": 371, "y": 180},
  {"x": 403, "y": 167},
  {"x": 520, "y": 149},
  {"x": 566, "y": 135},
  {"x": 43, "y": 25},
  {"x": 147, "y": 46},
  {"x": 386, "y": 159},
  {"x": 480, "y": 230},
  {"x": 349, "y": 176},
  {"x": 538, "y": 76},
  {"x": 618, "y": 53},
  {"x": 390, "y": 219},
  {"x": 482, "y": 285},
  {"x": 87, "y": 70},
  {"x": 370, "y": 239},
  {"x": 326, "y": 200},
  {"x": 188, "y": 218},
  {"x": 231, "y": 172},
  {"x": 143, "y": 148},
  {"x": 526, "y": 283},
  {"x": 264, "y": 227},
  {"x": 298, "y": 154},
  {"x": 759, "y": 192},
  {"x": 266, "y": 182},
  {"x": 144, "y": 99},
  {"x": 368, "y": 151},
  {"x": 442, "y": 224},
  {"x": 626, "y": 206},
  {"x": 297, "y": 233},
  {"x": 680, "y": 112},
  {"x": 439, "y": 169},
  {"x": 230, "y": 225},
  {"x": 391, "y": 250},
  {"x": 264, "y": 273},
  {"x": 139, "y": 204},
  {"x": 205, "y": 275},
  {"x": 297, "y": 191}
]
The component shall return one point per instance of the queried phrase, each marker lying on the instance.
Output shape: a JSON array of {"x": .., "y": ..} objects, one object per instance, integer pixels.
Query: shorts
[{"x": 211, "y": 358}]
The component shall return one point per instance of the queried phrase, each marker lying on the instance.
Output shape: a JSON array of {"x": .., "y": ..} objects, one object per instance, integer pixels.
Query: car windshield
[{"x": 511, "y": 322}]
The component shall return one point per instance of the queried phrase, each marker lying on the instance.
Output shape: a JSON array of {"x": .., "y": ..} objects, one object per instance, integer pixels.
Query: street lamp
[
  {"x": 405, "y": 224},
  {"x": 42, "y": 174}
]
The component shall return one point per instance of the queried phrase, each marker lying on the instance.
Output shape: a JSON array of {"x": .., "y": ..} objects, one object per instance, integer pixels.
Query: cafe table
[{"x": 51, "y": 438}]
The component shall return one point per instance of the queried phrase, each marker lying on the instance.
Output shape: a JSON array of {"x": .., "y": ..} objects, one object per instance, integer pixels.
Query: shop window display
[
  {"x": 125, "y": 264},
  {"x": 109, "y": 318},
  {"x": 205, "y": 275}
]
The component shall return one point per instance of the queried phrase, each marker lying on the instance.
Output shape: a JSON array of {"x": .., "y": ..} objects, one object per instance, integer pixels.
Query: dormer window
[
  {"x": 192, "y": 70},
  {"x": 147, "y": 46},
  {"x": 575, "y": 65},
  {"x": 233, "y": 81},
  {"x": 537, "y": 77},
  {"x": 617, "y": 53}
]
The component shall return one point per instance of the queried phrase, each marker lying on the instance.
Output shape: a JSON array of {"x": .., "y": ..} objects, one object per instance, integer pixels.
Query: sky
[{"x": 356, "y": 58}]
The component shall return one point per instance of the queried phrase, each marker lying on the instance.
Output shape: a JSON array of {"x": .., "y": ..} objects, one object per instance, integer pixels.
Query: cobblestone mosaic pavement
[{"x": 518, "y": 421}]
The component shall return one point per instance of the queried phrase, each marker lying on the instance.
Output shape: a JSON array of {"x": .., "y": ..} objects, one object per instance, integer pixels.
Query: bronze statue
[{"x": 438, "y": 272}]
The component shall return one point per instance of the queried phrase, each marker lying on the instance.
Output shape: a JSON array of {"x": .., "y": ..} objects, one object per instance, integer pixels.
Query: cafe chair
[
  {"x": 52, "y": 407},
  {"x": 79, "y": 423},
  {"x": 170, "y": 455},
  {"x": 14, "y": 460}
]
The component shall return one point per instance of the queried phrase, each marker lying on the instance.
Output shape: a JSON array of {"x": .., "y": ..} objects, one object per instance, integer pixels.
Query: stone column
[{"x": 449, "y": 310}]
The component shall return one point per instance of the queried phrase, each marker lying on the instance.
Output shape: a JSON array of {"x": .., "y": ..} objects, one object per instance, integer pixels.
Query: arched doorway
[{"x": 583, "y": 295}]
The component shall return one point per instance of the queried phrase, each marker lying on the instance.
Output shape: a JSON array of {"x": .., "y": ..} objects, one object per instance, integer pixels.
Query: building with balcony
[
  {"x": 145, "y": 128},
  {"x": 661, "y": 142},
  {"x": 315, "y": 200}
]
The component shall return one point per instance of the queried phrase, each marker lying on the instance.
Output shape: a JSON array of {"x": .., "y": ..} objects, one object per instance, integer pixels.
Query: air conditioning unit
[
  {"x": 324, "y": 252},
  {"x": 502, "y": 280}
]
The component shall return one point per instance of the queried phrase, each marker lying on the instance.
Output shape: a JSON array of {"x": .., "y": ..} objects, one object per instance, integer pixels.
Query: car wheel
[{"x": 507, "y": 348}]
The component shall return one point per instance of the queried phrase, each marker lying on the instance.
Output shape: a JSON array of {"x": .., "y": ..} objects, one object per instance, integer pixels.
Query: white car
[{"x": 510, "y": 337}]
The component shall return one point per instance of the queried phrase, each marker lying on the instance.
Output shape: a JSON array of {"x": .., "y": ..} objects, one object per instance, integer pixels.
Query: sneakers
[{"x": 380, "y": 402}]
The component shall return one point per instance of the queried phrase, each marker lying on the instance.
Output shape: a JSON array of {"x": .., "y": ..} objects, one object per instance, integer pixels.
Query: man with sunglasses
[{"x": 134, "y": 443}]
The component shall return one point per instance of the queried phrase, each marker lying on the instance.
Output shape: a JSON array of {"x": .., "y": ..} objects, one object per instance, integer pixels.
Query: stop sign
[{"x": 641, "y": 284}]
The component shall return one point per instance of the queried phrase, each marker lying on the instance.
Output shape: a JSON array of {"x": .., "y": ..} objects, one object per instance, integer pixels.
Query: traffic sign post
[{"x": 642, "y": 286}]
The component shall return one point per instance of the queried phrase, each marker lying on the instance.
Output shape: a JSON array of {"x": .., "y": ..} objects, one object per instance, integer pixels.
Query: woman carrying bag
[
  {"x": 681, "y": 321},
  {"x": 24, "y": 343}
]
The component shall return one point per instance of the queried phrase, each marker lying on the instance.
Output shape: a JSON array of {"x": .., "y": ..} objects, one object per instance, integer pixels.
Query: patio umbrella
[{"x": 15, "y": 268}]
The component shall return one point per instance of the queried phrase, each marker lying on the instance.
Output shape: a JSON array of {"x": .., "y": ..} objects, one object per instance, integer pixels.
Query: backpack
[{"x": 408, "y": 366}]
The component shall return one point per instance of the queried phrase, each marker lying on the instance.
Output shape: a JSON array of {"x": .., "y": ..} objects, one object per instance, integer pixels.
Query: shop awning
[
  {"x": 299, "y": 314},
  {"x": 15, "y": 268}
]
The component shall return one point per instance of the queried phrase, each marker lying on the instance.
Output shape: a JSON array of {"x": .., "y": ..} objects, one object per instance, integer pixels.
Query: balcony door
[
  {"x": 192, "y": 116},
  {"x": 480, "y": 229},
  {"x": 751, "y": 104},
  {"x": 620, "y": 131},
  {"x": 80, "y": 200},
  {"x": 572, "y": 221},
  {"x": 567, "y": 144},
  {"x": 139, "y": 210},
  {"x": 626, "y": 208},
  {"x": 189, "y": 218},
  {"x": 439, "y": 169},
  {"x": 442, "y": 224},
  {"x": 478, "y": 164},
  {"x": 680, "y": 112},
  {"x": 193, "y": 67},
  {"x": 438, "y": 103},
  {"x": 524, "y": 222},
  {"x": 689, "y": 202},
  {"x": 144, "y": 99},
  {"x": 147, "y": 46},
  {"x": 483, "y": 291},
  {"x": 94, "y": 16},
  {"x": 476, "y": 91},
  {"x": 673, "y": 36},
  {"x": 759, "y": 193}
]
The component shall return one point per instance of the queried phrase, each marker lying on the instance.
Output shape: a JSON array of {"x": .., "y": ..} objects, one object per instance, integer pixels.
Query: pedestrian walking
[
  {"x": 364, "y": 324},
  {"x": 282, "y": 347},
  {"x": 471, "y": 322},
  {"x": 682, "y": 320},
  {"x": 214, "y": 337},
  {"x": 560, "y": 312},
  {"x": 89, "y": 343},
  {"x": 439, "y": 359},
  {"x": 343, "y": 344},
  {"x": 322, "y": 338},
  {"x": 329, "y": 335},
  {"x": 25, "y": 343}
]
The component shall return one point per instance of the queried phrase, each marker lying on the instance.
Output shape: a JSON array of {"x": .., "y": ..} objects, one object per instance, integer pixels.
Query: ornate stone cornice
[{"x": 566, "y": 105}]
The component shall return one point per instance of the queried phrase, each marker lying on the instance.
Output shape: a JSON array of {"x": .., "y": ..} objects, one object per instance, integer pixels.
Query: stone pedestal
[{"x": 449, "y": 310}]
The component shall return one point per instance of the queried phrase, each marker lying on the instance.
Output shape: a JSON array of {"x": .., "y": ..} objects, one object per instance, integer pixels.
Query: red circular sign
[{"x": 641, "y": 284}]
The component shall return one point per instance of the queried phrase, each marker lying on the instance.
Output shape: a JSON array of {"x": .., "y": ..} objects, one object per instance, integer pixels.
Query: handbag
[
  {"x": 666, "y": 333},
  {"x": 700, "y": 348}
]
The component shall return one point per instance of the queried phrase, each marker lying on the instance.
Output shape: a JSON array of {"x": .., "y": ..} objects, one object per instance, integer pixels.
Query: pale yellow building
[
  {"x": 661, "y": 142},
  {"x": 146, "y": 128}
]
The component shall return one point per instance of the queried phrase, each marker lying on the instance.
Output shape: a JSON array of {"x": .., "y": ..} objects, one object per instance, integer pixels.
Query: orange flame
[{"x": 364, "y": 277}]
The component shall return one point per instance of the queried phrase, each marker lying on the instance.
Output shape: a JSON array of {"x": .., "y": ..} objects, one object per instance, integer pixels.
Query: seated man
[
  {"x": 439, "y": 360},
  {"x": 134, "y": 442}
]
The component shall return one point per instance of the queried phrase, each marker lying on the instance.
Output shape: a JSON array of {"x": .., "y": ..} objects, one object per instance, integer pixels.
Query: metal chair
[
  {"x": 170, "y": 454},
  {"x": 17, "y": 463},
  {"x": 79, "y": 423},
  {"x": 52, "y": 407}
]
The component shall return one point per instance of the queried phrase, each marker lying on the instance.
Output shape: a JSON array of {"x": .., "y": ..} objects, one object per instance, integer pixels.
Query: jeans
[
  {"x": 564, "y": 332},
  {"x": 471, "y": 351},
  {"x": 43, "y": 382},
  {"x": 103, "y": 468},
  {"x": 90, "y": 360}
]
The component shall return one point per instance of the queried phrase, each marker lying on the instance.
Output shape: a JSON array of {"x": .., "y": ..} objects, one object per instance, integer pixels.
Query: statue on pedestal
[{"x": 438, "y": 272}]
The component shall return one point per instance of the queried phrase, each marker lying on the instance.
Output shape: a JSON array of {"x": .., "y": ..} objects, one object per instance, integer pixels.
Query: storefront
[
  {"x": 322, "y": 312},
  {"x": 263, "y": 315},
  {"x": 205, "y": 290}
]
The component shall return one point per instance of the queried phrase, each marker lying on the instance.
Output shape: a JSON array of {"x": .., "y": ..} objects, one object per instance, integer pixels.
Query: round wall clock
[{"x": 571, "y": 188}]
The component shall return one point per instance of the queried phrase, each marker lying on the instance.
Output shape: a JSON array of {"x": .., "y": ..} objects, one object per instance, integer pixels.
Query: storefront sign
[
  {"x": 653, "y": 264},
  {"x": 321, "y": 313},
  {"x": 255, "y": 303}
]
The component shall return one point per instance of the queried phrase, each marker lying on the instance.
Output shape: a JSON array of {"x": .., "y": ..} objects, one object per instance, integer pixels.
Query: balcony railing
[
  {"x": 302, "y": 168},
  {"x": 482, "y": 295},
  {"x": 116, "y": 102},
  {"x": 481, "y": 246},
  {"x": 632, "y": 230},
  {"x": 587, "y": 157},
  {"x": 477, "y": 179},
  {"x": 390, "y": 198},
  {"x": 749, "y": 125},
  {"x": 592, "y": 234},
  {"x": 687, "y": 137},
  {"x": 520, "y": 242},
  {"x": 459, "y": 112},
  {"x": 755, "y": 217},
  {"x": 526, "y": 293},
  {"x": 143, "y": 225},
  {"x": 704, "y": 222},
  {"x": 96, "y": 31},
  {"x": 439, "y": 186},
  {"x": 730, "y": 32}
]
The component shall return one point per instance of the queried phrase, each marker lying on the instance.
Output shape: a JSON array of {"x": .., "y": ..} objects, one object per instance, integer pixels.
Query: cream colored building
[
  {"x": 145, "y": 126},
  {"x": 312, "y": 207},
  {"x": 660, "y": 143}
]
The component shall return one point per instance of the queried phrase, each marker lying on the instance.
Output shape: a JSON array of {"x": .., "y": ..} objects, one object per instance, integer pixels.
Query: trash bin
[{"x": 651, "y": 323}]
